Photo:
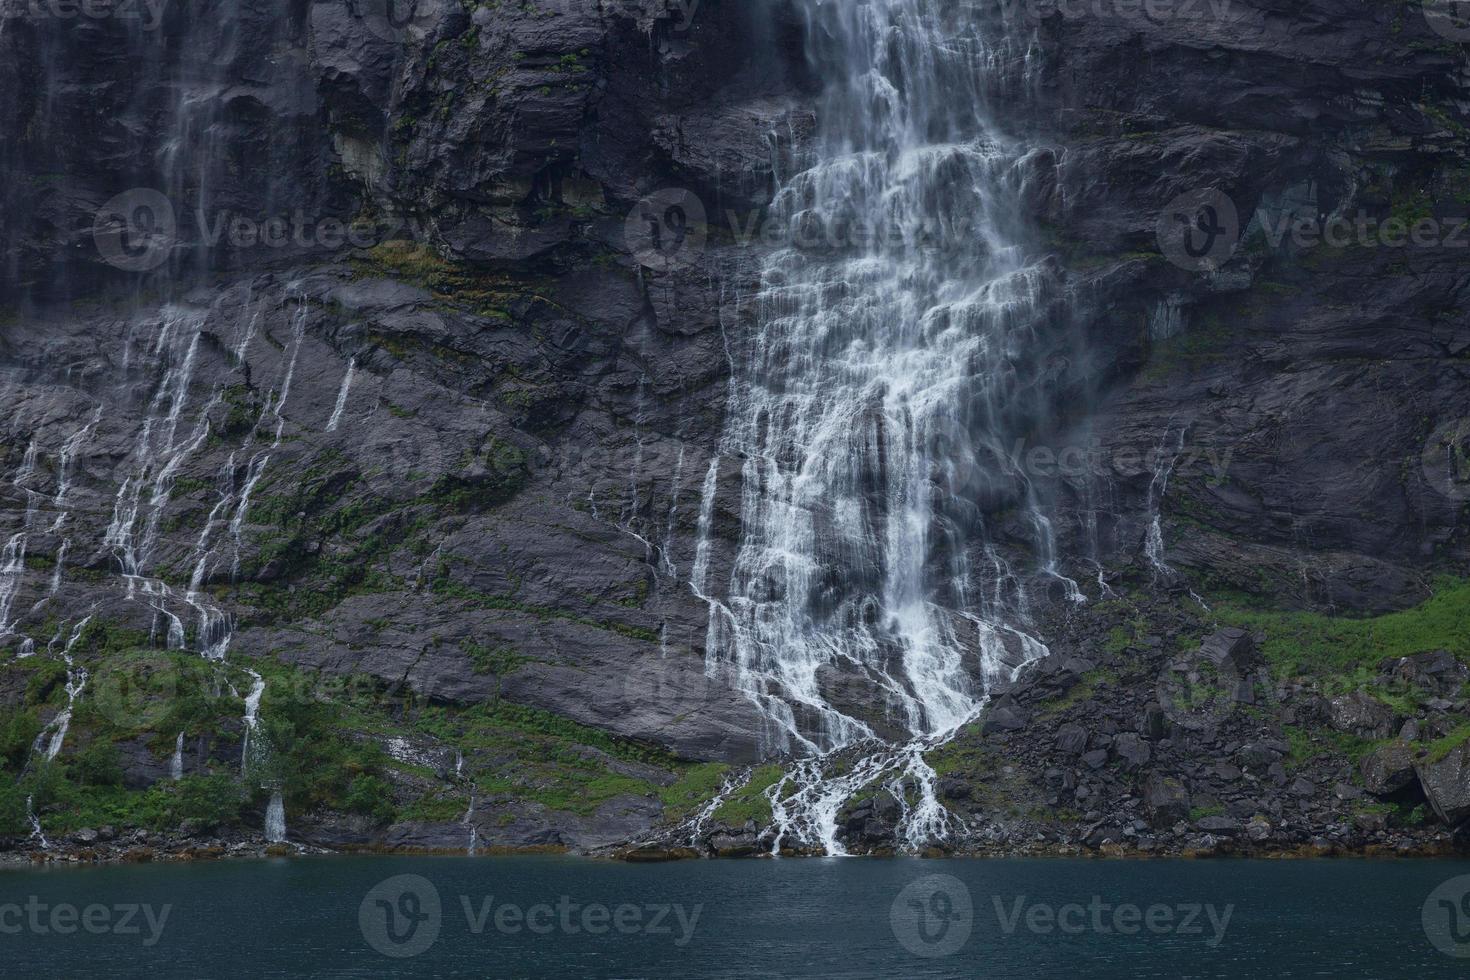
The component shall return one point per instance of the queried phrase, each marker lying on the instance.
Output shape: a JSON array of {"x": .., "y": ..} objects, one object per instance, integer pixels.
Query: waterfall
[
  {"x": 158, "y": 456},
  {"x": 732, "y": 781},
  {"x": 1167, "y": 318},
  {"x": 36, "y": 833},
  {"x": 76, "y": 682},
  {"x": 12, "y": 570},
  {"x": 341, "y": 405},
  {"x": 898, "y": 353},
  {"x": 666, "y": 550},
  {"x": 254, "y": 752},
  {"x": 28, "y": 470},
  {"x": 215, "y": 626},
  {"x": 56, "y": 572},
  {"x": 176, "y": 764},
  {"x": 1165, "y": 456},
  {"x": 69, "y": 452},
  {"x": 252, "y": 718},
  {"x": 275, "y": 404},
  {"x": 275, "y": 819},
  {"x": 469, "y": 816}
]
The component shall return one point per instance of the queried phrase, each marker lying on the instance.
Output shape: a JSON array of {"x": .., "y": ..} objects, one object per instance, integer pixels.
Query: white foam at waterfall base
[{"x": 873, "y": 404}]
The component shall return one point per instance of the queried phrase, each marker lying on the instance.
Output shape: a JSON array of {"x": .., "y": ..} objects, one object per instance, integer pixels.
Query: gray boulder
[
  {"x": 1166, "y": 800},
  {"x": 1363, "y": 715},
  {"x": 1446, "y": 783},
  {"x": 1004, "y": 718},
  {"x": 1071, "y": 739},
  {"x": 1218, "y": 825},
  {"x": 1388, "y": 769},
  {"x": 1132, "y": 751}
]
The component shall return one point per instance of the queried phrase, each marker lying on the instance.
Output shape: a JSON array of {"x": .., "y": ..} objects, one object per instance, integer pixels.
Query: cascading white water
[
  {"x": 469, "y": 817},
  {"x": 176, "y": 763},
  {"x": 1165, "y": 456},
  {"x": 892, "y": 367},
  {"x": 275, "y": 818},
  {"x": 12, "y": 571},
  {"x": 36, "y": 833},
  {"x": 731, "y": 782},
  {"x": 342, "y": 394},
  {"x": 275, "y": 404},
  {"x": 251, "y": 720},
  {"x": 158, "y": 455},
  {"x": 76, "y": 682},
  {"x": 64, "y": 465},
  {"x": 255, "y": 754}
]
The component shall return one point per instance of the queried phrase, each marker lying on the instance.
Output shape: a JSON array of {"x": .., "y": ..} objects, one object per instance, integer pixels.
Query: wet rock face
[
  {"x": 544, "y": 429},
  {"x": 489, "y": 475}
]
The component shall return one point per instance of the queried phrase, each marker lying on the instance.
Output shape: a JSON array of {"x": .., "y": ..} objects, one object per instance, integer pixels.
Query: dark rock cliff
[{"x": 380, "y": 388}]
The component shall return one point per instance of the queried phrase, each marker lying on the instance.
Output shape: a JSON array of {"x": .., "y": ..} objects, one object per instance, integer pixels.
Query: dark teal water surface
[{"x": 564, "y": 917}]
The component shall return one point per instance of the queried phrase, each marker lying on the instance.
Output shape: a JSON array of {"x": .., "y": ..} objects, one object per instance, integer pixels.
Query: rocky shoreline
[{"x": 170, "y": 849}]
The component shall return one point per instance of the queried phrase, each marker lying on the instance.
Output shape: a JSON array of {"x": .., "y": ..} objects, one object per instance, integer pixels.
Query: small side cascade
[
  {"x": 1167, "y": 319},
  {"x": 176, "y": 764},
  {"x": 252, "y": 722},
  {"x": 36, "y": 834},
  {"x": 12, "y": 570},
  {"x": 275, "y": 818},
  {"x": 1165, "y": 456},
  {"x": 469, "y": 816},
  {"x": 731, "y": 783},
  {"x": 69, "y": 452},
  {"x": 341, "y": 405},
  {"x": 76, "y": 682}
]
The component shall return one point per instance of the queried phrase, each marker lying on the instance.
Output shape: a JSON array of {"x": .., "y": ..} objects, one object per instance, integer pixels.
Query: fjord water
[
  {"x": 827, "y": 918},
  {"x": 897, "y": 354}
]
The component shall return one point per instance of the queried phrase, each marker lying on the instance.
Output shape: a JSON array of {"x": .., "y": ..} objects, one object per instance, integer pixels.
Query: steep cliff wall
[{"x": 329, "y": 354}]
